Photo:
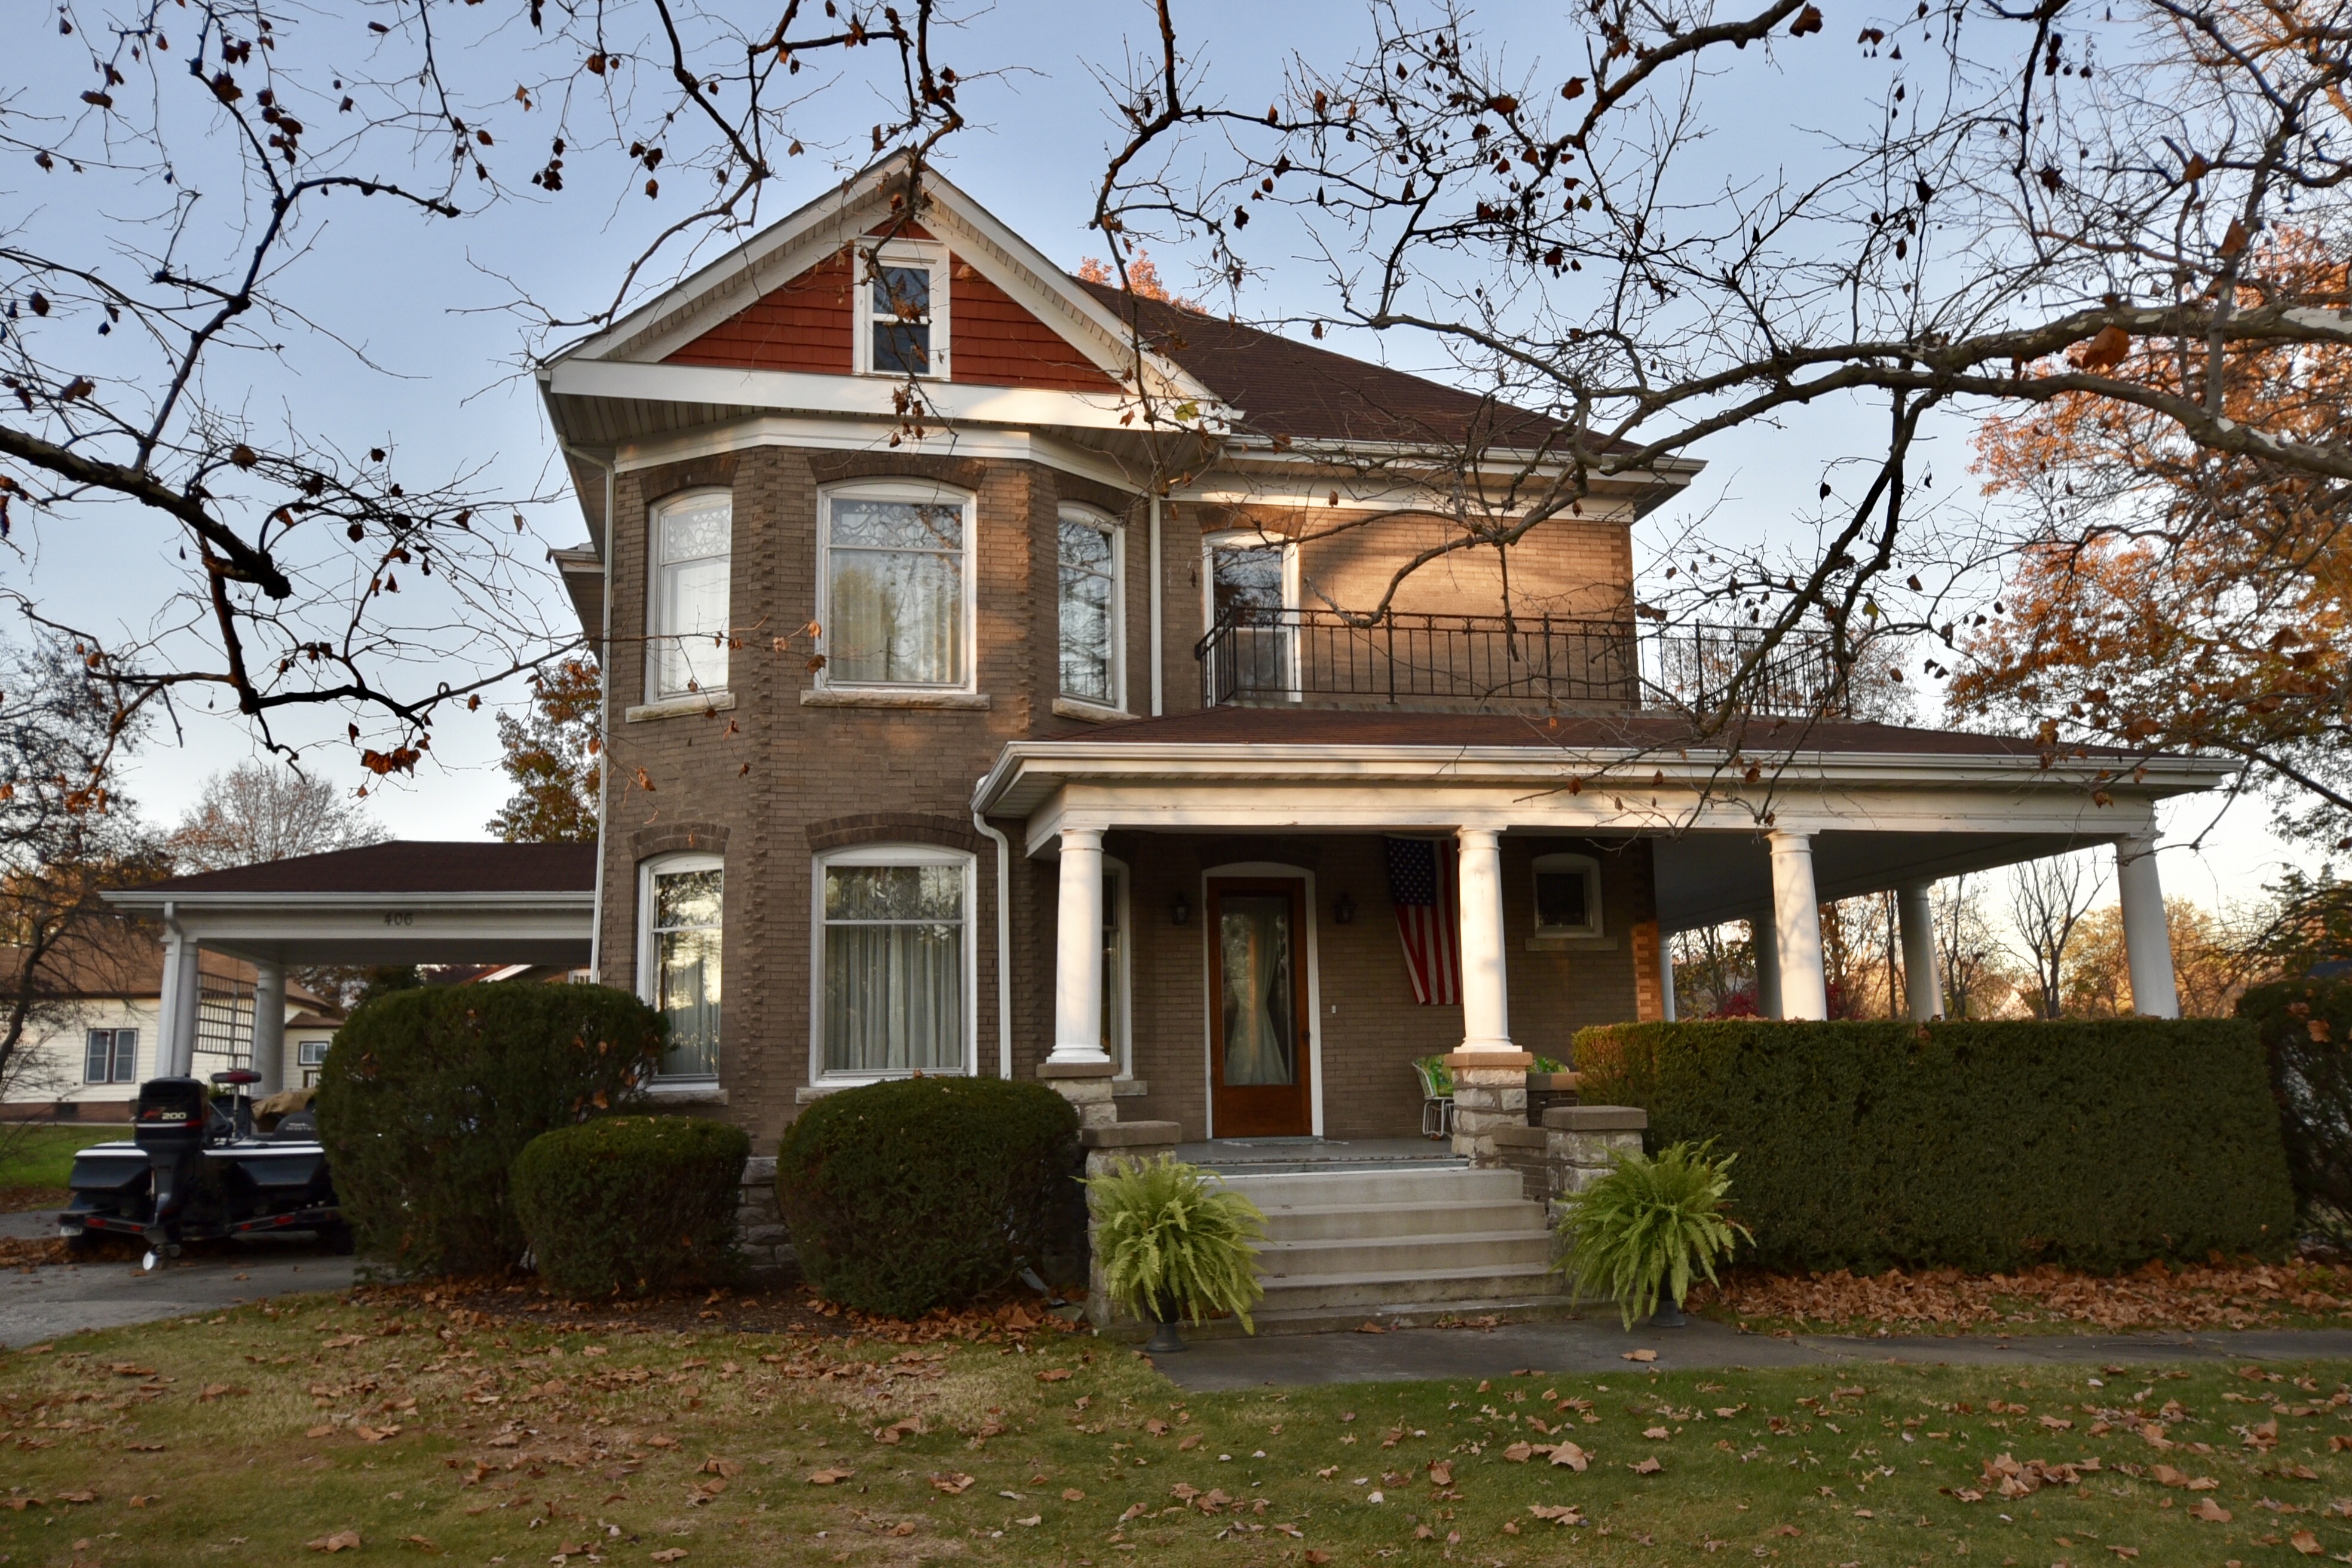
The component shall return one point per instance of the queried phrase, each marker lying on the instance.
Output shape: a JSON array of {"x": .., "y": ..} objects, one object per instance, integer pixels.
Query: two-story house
[{"x": 992, "y": 687}]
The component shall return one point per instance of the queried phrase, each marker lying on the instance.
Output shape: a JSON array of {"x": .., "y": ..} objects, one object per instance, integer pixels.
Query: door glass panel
[{"x": 1259, "y": 981}]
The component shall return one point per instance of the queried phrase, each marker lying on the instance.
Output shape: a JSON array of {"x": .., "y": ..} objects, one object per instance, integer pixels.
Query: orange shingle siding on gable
[{"x": 806, "y": 325}]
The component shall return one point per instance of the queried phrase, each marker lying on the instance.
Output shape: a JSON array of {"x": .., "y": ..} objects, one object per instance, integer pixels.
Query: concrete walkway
[
  {"x": 41, "y": 1304},
  {"x": 1596, "y": 1344}
]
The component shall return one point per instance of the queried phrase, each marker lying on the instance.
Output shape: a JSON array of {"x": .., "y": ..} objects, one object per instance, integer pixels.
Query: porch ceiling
[{"x": 1705, "y": 878}]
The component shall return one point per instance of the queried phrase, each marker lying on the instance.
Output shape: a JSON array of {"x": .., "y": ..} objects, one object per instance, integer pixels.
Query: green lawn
[
  {"x": 246, "y": 1436},
  {"x": 43, "y": 1156}
]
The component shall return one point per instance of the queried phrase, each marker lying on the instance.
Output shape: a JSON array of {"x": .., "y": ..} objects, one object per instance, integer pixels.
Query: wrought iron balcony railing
[{"x": 1265, "y": 655}]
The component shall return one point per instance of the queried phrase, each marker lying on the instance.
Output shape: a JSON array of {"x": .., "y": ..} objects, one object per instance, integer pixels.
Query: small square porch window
[
  {"x": 904, "y": 303},
  {"x": 1567, "y": 895}
]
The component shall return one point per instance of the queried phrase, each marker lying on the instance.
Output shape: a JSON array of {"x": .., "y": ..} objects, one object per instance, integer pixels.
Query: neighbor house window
[
  {"x": 680, "y": 904},
  {"x": 1091, "y": 621},
  {"x": 1567, "y": 895},
  {"x": 692, "y": 537},
  {"x": 310, "y": 1056},
  {"x": 896, "y": 606},
  {"x": 111, "y": 1056},
  {"x": 894, "y": 978},
  {"x": 906, "y": 310}
]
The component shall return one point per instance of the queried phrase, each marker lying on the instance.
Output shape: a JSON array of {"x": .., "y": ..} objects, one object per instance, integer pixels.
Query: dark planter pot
[
  {"x": 1669, "y": 1315},
  {"x": 1165, "y": 1339}
]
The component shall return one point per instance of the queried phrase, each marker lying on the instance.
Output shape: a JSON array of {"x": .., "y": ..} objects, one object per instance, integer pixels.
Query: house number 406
[{"x": 399, "y": 917}]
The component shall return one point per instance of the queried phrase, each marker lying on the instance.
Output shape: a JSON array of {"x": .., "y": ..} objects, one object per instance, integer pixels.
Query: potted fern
[
  {"x": 1172, "y": 1243},
  {"x": 1650, "y": 1225}
]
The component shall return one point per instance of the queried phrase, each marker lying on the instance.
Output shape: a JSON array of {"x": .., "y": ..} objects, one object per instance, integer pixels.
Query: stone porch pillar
[
  {"x": 2147, "y": 938},
  {"x": 269, "y": 1027},
  {"x": 1490, "y": 1075},
  {"x": 1767, "y": 965},
  {"x": 1797, "y": 928},
  {"x": 175, "y": 1028},
  {"x": 1923, "y": 987}
]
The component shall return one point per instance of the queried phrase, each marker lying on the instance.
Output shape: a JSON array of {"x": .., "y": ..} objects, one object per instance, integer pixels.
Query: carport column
[
  {"x": 1797, "y": 928},
  {"x": 175, "y": 1043},
  {"x": 269, "y": 1027},
  {"x": 1490, "y": 1076},
  {"x": 1923, "y": 988},
  {"x": 2148, "y": 939},
  {"x": 1767, "y": 965}
]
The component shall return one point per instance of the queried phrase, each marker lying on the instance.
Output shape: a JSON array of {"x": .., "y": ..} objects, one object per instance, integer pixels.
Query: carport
[{"x": 406, "y": 902}]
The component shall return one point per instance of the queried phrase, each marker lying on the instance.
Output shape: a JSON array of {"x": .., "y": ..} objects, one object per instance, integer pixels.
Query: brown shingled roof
[
  {"x": 1351, "y": 727},
  {"x": 1303, "y": 393},
  {"x": 408, "y": 866}
]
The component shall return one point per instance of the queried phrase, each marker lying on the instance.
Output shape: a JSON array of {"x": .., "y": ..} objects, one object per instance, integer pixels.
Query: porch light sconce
[
  {"x": 1180, "y": 911},
  {"x": 1344, "y": 910}
]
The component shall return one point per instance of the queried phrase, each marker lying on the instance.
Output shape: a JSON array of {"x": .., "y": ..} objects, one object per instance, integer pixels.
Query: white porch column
[
  {"x": 1666, "y": 976},
  {"x": 269, "y": 1027},
  {"x": 1797, "y": 928},
  {"x": 1486, "y": 988},
  {"x": 1077, "y": 953},
  {"x": 1923, "y": 988},
  {"x": 1767, "y": 965},
  {"x": 2148, "y": 939},
  {"x": 175, "y": 1031}
]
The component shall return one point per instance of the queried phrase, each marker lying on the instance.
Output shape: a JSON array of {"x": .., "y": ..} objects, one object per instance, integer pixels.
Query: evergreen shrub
[
  {"x": 428, "y": 1094},
  {"x": 629, "y": 1205},
  {"x": 922, "y": 1193},
  {"x": 2306, "y": 1032},
  {"x": 1988, "y": 1147}
]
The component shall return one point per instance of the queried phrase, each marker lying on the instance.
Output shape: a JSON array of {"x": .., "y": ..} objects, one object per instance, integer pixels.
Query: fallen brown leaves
[{"x": 2193, "y": 1296}]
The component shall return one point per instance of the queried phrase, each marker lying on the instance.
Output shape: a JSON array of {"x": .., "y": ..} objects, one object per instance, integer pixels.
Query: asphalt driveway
[{"x": 41, "y": 1304}]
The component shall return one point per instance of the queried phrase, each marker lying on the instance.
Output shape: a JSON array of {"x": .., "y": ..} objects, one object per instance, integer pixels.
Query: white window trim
[
  {"x": 927, "y": 253},
  {"x": 921, "y": 492},
  {"x": 1109, "y": 525},
  {"x": 891, "y": 855},
  {"x": 1255, "y": 539},
  {"x": 1123, "y": 1015},
  {"x": 656, "y": 635},
  {"x": 1598, "y": 925},
  {"x": 648, "y": 953}
]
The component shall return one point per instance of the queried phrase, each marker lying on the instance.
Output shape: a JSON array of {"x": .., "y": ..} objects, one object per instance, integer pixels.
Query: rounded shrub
[
  {"x": 924, "y": 1193},
  {"x": 428, "y": 1094},
  {"x": 627, "y": 1205}
]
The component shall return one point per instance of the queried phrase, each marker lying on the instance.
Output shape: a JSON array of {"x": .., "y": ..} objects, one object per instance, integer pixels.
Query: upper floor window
[
  {"x": 895, "y": 983},
  {"x": 693, "y": 535},
  {"x": 895, "y": 587},
  {"x": 1251, "y": 578},
  {"x": 680, "y": 902},
  {"x": 1567, "y": 895},
  {"x": 1091, "y": 619},
  {"x": 905, "y": 298}
]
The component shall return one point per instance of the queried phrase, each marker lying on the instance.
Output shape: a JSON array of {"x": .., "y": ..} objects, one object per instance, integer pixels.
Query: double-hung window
[
  {"x": 111, "y": 1056},
  {"x": 896, "y": 584},
  {"x": 681, "y": 900},
  {"x": 1567, "y": 896},
  {"x": 905, "y": 298},
  {"x": 692, "y": 544},
  {"x": 1090, "y": 608},
  {"x": 896, "y": 988},
  {"x": 1251, "y": 584}
]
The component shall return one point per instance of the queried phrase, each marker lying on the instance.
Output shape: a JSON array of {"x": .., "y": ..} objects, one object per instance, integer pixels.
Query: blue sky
[{"x": 420, "y": 301}]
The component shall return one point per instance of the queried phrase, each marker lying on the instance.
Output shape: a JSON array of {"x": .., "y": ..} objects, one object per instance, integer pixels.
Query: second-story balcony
[{"x": 1262, "y": 657}]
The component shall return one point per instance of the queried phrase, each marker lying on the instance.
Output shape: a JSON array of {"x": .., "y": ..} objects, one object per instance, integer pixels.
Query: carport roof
[{"x": 405, "y": 865}]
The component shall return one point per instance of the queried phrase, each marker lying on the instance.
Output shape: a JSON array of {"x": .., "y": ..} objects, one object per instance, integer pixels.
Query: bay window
[
  {"x": 680, "y": 911},
  {"x": 692, "y": 546},
  {"x": 894, "y": 983},
  {"x": 895, "y": 587}
]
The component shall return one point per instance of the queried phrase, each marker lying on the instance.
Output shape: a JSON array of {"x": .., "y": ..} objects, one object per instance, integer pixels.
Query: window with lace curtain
[
  {"x": 894, "y": 586},
  {"x": 692, "y": 554},
  {"x": 681, "y": 901},
  {"x": 896, "y": 987}
]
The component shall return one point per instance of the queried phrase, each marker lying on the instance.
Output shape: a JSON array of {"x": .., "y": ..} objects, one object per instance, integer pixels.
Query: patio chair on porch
[{"x": 1436, "y": 1096}]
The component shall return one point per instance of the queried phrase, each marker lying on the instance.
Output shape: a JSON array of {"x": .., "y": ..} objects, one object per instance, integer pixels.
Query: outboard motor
[{"x": 169, "y": 1121}]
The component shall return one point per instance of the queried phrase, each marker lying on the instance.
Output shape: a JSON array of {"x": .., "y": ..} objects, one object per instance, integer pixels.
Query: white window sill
[
  {"x": 1088, "y": 713},
  {"x": 882, "y": 697},
  {"x": 810, "y": 1093},
  {"x": 1557, "y": 942},
  {"x": 686, "y": 1091},
  {"x": 693, "y": 703}
]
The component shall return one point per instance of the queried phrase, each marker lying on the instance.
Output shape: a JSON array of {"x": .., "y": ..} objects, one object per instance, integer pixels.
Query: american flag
[{"x": 1420, "y": 885}]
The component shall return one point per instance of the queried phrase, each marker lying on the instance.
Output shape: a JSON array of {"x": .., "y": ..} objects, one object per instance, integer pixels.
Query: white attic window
[{"x": 902, "y": 309}]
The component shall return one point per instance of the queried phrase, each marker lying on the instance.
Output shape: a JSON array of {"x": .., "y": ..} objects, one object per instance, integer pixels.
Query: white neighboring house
[{"x": 95, "y": 1038}]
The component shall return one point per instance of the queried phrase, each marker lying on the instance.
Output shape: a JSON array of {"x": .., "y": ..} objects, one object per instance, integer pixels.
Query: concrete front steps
[{"x": 1397, "y": 1244}]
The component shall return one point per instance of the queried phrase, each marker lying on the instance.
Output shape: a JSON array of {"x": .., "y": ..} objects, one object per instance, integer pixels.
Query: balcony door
[{"x": 1261, "y": 1060}]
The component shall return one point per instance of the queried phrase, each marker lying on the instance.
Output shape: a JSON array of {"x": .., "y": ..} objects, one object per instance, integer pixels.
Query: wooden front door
[{"x": 1259, "y": 1063}]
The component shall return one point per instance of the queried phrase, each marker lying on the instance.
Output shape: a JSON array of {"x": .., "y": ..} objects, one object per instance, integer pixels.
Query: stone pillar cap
[
  {"x": 1130, "y": 1134},
  {"x": 1596, "y": 1119},
  {"x": 1500, "y": 1061},
  {"x": 1077, "y": 1070}
]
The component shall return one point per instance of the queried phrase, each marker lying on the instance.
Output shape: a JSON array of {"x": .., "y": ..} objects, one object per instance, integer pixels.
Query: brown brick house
[{"x": 1017, "y": 717}]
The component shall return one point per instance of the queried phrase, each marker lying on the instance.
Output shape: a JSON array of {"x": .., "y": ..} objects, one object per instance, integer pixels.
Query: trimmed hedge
[
  {"x": 2306, "y": 1032},
  {"x": 1981, "y": 1146},
  {"x": 923, "y": 1193},
  {"x": 428, "y": 1094},
  {"x": 627, "y": 1205}
]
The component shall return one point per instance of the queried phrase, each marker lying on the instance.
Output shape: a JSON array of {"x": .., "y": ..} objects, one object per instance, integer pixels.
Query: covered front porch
[{"x": 1567, "y": 849}]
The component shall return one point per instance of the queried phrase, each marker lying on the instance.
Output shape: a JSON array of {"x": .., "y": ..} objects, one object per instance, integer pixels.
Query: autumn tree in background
[
  {"x": 2171, "y": 597},
  {"x": 1143, "y": 278},
  {"x": 2213, "y": 962},
  {"x": 262, "y": 810},
  {"x": 553, "y": 756}
]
